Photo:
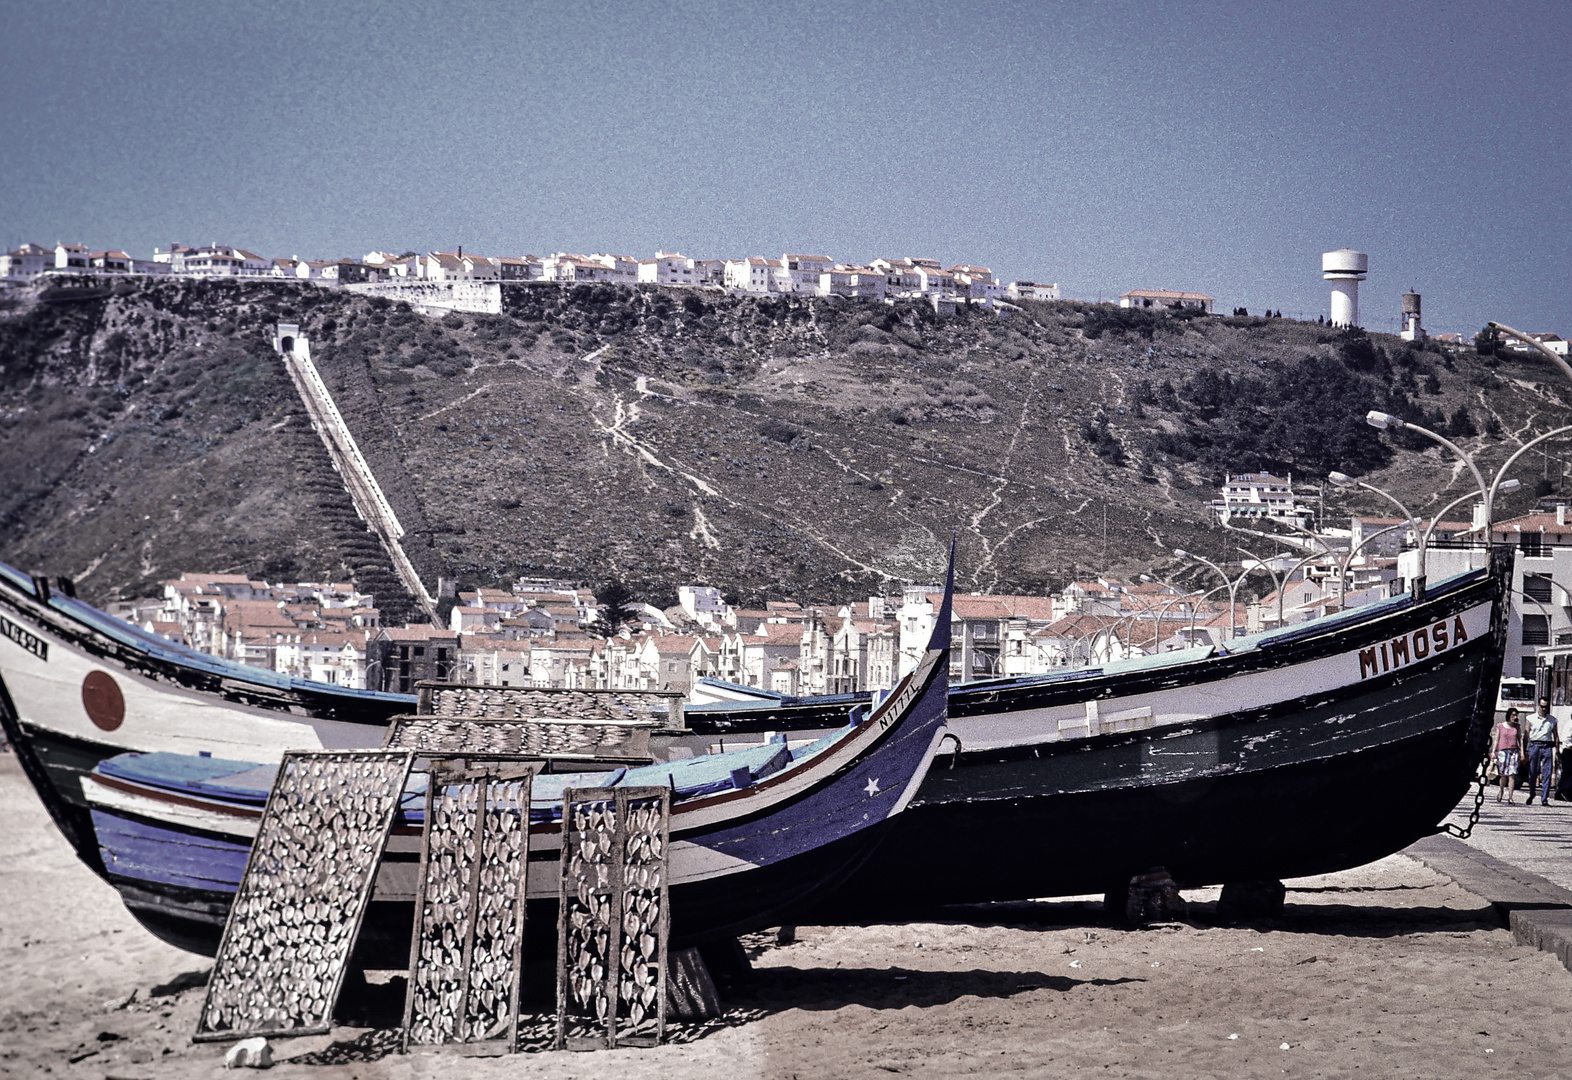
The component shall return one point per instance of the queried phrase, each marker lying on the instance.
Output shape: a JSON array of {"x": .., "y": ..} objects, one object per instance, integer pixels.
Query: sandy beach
[{"x": 1386, "y": 970}]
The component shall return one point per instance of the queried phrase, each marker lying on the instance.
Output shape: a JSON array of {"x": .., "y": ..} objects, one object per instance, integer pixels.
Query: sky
[{"x": 1218, "y": 148}]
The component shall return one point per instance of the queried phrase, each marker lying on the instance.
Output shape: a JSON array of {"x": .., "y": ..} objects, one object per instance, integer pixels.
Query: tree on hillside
[{"x": 615, "y": 609}]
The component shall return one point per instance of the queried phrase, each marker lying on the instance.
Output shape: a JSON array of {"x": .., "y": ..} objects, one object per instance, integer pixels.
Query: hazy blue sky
[{"x": 1220, "y": 148}]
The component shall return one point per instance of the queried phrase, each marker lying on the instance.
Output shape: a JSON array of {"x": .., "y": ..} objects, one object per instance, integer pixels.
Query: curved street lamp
[
  {"x": 1559, "y": 360},
  {"x": 1342, "y": 576},
  {"x": 1232, "y": 584},
  {"x": 1383, "y": 420},
  {"x": 1276, "y": 582},
  {"x": 1342, "y": 480},
  {"x": 1507, "y": 486},
  {"x": 1195, "y": 612},
  {"x": 1498, "y": 484}
]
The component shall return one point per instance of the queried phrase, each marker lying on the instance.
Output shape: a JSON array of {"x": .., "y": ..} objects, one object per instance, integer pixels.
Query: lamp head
[
  {"x": 1337, "y": 479},
  {"x": 1509, "y": 485},
  {"x": 1378, "y": 419},
  {"x": 1181, "y": 553}
]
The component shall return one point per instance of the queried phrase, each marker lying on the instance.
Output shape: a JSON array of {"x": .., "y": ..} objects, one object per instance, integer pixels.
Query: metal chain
[{"x": 1479, "y": 806}]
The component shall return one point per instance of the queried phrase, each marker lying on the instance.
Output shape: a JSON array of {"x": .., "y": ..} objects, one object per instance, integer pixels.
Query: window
[
  {"x": 1537, "y": 587},
  {"x": 1530, "y": 542},
  {"x": 1536, "y": 630},
  {"x": 1529, "y": 664}
]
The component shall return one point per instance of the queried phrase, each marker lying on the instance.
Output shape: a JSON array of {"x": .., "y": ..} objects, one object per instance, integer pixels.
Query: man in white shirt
[{"x": 1543, "y": 738}]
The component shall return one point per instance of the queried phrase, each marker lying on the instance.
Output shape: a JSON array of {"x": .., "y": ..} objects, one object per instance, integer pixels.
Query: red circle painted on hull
[{"x": 101, "y": 697}]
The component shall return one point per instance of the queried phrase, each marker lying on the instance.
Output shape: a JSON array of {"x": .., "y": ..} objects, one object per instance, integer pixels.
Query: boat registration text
[{"x": 36, "y": 646}]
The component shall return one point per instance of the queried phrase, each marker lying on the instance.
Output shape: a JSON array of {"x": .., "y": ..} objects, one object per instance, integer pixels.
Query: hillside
[{"x": 788, "y": 447}]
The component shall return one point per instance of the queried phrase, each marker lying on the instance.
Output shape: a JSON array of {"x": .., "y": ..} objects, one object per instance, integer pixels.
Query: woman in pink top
[{"x": 1503, "y": 746}]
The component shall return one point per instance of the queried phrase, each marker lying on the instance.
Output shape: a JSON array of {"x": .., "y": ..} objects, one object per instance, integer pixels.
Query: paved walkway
[
  {"x": 1534, "y": 838},
  {"x": 1519, "y": 858}
]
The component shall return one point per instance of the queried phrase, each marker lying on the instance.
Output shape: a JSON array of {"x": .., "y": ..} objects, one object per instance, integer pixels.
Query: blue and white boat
[
  {"x": 1220, "y": 764},
  {"x": 755, "y": 832}
]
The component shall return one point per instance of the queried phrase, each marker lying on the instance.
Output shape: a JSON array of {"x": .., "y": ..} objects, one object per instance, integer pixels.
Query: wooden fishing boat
[
  {"x": 1220, "y": 764},
  {"x": 755, "y": 832}
]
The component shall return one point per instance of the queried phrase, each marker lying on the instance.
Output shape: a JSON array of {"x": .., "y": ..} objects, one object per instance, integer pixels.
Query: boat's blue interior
[
  {"x": 752, "y": 697},
  {"x": 247, "y": 783}
]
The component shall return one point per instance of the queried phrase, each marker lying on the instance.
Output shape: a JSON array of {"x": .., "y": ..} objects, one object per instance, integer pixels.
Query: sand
[{"x": 1387, "y": 970}]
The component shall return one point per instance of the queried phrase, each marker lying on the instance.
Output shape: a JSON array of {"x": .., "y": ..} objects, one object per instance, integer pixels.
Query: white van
[{"x": 1515, "y": 693}]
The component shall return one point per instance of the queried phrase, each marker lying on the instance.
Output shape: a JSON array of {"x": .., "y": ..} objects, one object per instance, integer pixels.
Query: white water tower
[{"x": 1345, "y": 269}]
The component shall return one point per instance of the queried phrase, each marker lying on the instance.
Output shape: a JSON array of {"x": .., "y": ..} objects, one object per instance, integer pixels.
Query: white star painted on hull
[{"x": 873, "y": 787}]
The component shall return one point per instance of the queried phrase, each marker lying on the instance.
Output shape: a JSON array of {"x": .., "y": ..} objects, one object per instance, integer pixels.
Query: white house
[
  {"x": 1165, "y": 298},
  {"x": 800, "y": 273},
  {"x": 566, "y": 266},
  {"x": 71, "y": 257},
  {"x": 853, "y": 282},
  {"x": 215, "y": 260},
  {"x": 110, "y": 262},
  {"x": 935, "y": 281},
  {"x": 624, "y": 268},
  {"x": 703, "y": 604},
  {"x": 752, "y": 275},
  {"x": 1032, "y": 290},
  {"x": 1260, "y": 496},
  {"x": 480, "y": 267},
  {"x": 396, "y": 266},
  {"x": 904, "y": 277},
  {"x": 317, "y": 270},
  {"x": 669, "y": 268},
  {"x": 976, "y": 282},
  {"x": 26, "y": 262}
]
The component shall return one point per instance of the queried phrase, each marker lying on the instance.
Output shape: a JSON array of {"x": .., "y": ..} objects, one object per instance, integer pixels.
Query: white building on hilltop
[
  {"x": 26, "y": 262},
  {"x": 1032, "y": 290},
  {"x": 1166, "y": 298}
]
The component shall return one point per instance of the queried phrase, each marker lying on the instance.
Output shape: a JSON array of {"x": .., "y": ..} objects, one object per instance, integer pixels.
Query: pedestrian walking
[
  {"x": 1503, "y": 747},
  {"x": 1543, "y": 738}
]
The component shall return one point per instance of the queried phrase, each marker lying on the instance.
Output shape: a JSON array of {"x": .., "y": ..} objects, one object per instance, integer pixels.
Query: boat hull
[
  {"x": 165, "y": 892},
  {"x": 1307, "y": 788},
  {"x": 1249, "y": 765}
]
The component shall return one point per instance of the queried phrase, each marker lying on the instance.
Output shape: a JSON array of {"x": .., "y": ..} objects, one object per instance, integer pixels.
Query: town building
[
  {"x": 71, "y": 257},
  {"x": 801, "y": 273},
  {"x": 751, "y": 275},
  {"x": 25, "y": 262},
  {"x": 669, "y": 268},
  {"x": 399, "y": 657},
  {"x": 1165, "y": 298},
  {"x": 852, "y": 282},
  {"x": 1260, "y": 497},
  {"x": 1032, "y": 290}
]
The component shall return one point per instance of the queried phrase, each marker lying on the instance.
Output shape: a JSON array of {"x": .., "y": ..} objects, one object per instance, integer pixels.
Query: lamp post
[
  {"x": 1498, "y": 484},
  {"x": 1232, "y": 584},
  {"x": 1382, "y": 420},
  {"x": 1276, "y": 582},
  {"x": 1342, "y": 577},
  {"x": 1157, "y": 628},
  {"x": 1195, "y": 612},
  {"x": 1343, "y": 480},
  {"x": 1507, "y": 486},
  {"x": 1558, "y": 360}
]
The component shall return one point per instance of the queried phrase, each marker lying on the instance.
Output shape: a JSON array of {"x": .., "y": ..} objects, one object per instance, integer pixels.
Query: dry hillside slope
[{"x": 790, "y": 447}]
